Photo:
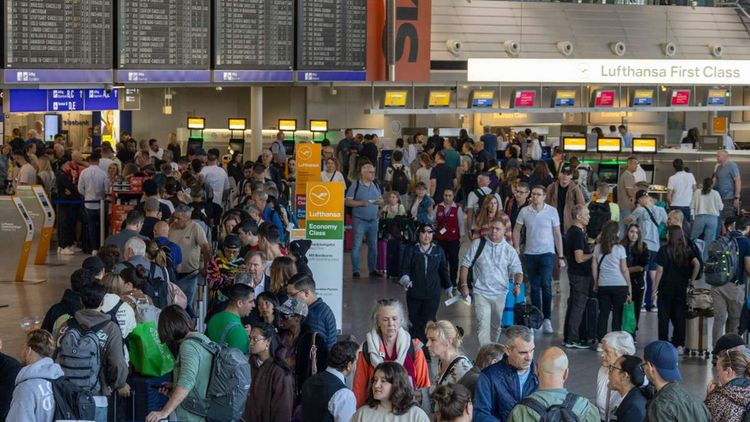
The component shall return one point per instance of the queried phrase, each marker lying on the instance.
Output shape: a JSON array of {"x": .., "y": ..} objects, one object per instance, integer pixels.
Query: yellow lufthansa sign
[
  {"x": 608, "y": 144},
  {"x": 439, "y": 99},
  {"x": 574, "y": 144},
  {"x": 325, "y": 201},
  {"x": 644, "y": 145},
  {"x": 395, "y": 98}
]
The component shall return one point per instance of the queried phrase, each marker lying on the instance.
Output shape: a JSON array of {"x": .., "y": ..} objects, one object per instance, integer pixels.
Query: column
[{"x": 256, "y": 120}]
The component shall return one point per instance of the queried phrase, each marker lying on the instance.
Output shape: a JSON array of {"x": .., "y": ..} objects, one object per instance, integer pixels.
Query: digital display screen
[
  {"x": 604, "y": 98},
  {"x": 643, "y": 97},
  {"x": 680, "y": 97},
  {"x": 288, "y": 124},
  {"x": 608, "y": 144},
  {"x": 196, "y": 123},
  {"x": 439, "y": 99},
  {"x": 331, "y": 34},
  {"x": 524, "y": 99},
  {"x": 237, "y": 124},
  {"x": 395, "y": 98},
  {"x": 574, "y": 144},
  {"x": 481, "y": 99},
  {"x": 644, "y": 145},
  {"x": 565, "y": 99},
  {"x": 318, "y": 125}
]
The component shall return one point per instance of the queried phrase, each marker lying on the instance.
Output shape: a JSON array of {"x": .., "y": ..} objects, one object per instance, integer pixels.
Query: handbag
[
  {"x": 148, "y": 355},
  {"x": 628, "y": 317},
  {"x": 528, "y": 315},
  {"x": 700, "y": 299}
]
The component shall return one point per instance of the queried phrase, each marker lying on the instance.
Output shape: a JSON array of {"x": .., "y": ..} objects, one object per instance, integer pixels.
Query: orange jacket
[{"x": 365, "y": 371}]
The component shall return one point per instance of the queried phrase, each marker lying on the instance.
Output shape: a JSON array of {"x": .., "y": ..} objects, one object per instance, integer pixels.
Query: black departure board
[
  {"x": 254, "y": 34},
  {"x": 59, "y": 34},
  {"x": 164, "y": 34},
  {"x": 331, "y": 34}
]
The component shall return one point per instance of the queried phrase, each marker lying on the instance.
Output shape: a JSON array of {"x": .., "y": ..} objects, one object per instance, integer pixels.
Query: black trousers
[
  {"x": 639, "y": 289},
  {"x": 579, "y": 294},
  {"x": 451, "y": 248},
  {"x": 611, "y": 299},
  {"x": 672, "y": 309},
  {"x": 421, "y": 311},
  {"x": 67, "y": 215}
]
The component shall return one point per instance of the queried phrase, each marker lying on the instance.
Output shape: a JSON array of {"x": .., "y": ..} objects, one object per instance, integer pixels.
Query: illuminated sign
[
  {"x": 196, "y": 123},
  {"x": 395, "y": 98},
  {"x": 717, "y": 97},
  {"x": 482, "y": 99},
  {"x": 524, "y": 99},
  {"x": 237, "y": 124},
  {"x": 565, "y": 99},
  {"x": 289, "y": 125},
  {"x": 439, "y": 99},
  {"x": 680, "y": 97},
  {"x": 608, "y": 144},
  {"x": 574, "y": 144},
  {"x": 318, "y": 125},
  {"x": 643, "y": 97},
  {"x": 644, "y": 145},
  {"x": 604, "y": 98}
]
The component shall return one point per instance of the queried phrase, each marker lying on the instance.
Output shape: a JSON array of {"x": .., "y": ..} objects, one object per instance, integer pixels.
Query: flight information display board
[
  {"x": 58, "y": 41},
  {"x": 254, "y": 40},
  {"x": 331, "y": 35},
  {"x": 164, "y": 41}
]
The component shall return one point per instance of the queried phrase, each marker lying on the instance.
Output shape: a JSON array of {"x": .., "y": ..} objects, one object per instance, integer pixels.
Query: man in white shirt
[
  {"x": 680, "y": 191},
  {"x": 476, "y": 197},
  {"x": 543, "y": 238},
  {"x": 93, "y": 185},
  {"x": 215, "y": 178},
  {"x": 154, "y": 150}
]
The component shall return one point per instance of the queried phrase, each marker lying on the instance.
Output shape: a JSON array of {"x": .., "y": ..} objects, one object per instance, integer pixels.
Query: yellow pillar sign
[
  {"x": 48, "y": 226},
  {"x": 719, "y": 126},
  {"x": 325, "y": 210},
  {"x": 308, "y": 170}
]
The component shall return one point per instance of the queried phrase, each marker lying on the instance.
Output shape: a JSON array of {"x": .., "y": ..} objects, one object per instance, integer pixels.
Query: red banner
[{"x": 413, "y": 37}]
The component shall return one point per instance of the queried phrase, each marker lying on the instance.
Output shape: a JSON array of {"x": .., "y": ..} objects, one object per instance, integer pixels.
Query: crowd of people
[{"x": 490, "y": 222}]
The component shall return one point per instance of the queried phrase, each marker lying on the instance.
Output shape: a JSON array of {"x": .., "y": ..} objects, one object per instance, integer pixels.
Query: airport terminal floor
[{"x": 33, "y": 300}]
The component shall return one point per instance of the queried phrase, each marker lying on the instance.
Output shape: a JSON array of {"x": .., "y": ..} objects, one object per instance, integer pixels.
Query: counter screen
[
  {"x": 644, "y": 145},
  {"x": 574, "y": 144},
  {"x": 331, "y": 34},
  {"x": 608, "y": 144}
]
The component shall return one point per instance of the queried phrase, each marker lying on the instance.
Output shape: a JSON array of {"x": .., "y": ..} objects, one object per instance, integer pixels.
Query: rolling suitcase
[
  {"x": 698, "y": 334},
  {"x": 510, "y": 304},
  {"x": 382, "y": 263},
  {"x": 348, "y": 234},
  {"x": 144, "y": 396}
]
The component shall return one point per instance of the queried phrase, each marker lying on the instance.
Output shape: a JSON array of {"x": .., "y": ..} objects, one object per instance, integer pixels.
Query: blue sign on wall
[
  {"x": 101, "y": 99},
  {"x": 61, "y": 100},
  {"x": 27, "y": 100},
  {"x": 64, "y": 100}
]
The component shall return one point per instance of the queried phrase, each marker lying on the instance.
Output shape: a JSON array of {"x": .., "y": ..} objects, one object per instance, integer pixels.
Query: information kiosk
[
  {"x": 17, "y": 230},
  {"x": 43, "y": 217}
]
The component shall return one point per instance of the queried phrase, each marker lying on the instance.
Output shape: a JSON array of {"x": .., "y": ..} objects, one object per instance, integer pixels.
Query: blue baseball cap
[{"x": 664, "y": 357}]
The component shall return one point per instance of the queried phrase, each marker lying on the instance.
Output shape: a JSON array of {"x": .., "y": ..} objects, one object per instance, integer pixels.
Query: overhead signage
[
  {"x": 318, "y": 126},
  {"x": 331, "y": 76},
  {"x": 132, "y": 99},
  {"x": 574, "y": 144},
  {"x": 604, "y": 98},
  {"x": 241, "y": 76},
  {"x": 325, "y": 210},
  {"x": 680, "y": 97},
  {"x": 643, "y": 97},
  {"x": 482, "y": 99},
  {"x": 331, "y": 34},
  {"x": 612, "y": 71},
  {"x": 237, "y": 124},
  {"x": 644, "y": 145},
  {"x": 524, "y": 99},
  {"x": 61, "y": 100},
  {"x": 439, "y": 99},
  {"x": 717, "y": 97},
  {"x": 288, "y": 125},
  {"x": 608, "y": 144},
  {"x": 395, "y": 98},
  {"x": 196, "y": 123},
  {"x": 565, "y": 98}
]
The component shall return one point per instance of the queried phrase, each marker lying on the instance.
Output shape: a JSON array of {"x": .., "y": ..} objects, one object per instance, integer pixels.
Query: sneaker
[
  {"x": 547, "y": 327},
  {"x": 569, "y": 345},
  {"x": 59, "y": 250},
  {"x": 67, "y": 251},
  {"x": 355, "y": 274},
  {"x": 680, "y": 350},
  {"x": 75, "y": 248},
  {"x": 376, "y": 274}
]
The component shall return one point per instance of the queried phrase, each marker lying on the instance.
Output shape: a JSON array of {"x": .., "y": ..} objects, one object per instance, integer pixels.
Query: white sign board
[
  {"x": 325, "y": 259},
  {"x": 623, "y": 71}
]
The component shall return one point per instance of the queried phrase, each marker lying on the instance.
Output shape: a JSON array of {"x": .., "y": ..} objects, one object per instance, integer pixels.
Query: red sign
[
  {"x": 524, "y": 99},
  {"x": 604, "y": 98},
  {"x": 413, "y": 37},
  {"x": 681, "y": 97}
]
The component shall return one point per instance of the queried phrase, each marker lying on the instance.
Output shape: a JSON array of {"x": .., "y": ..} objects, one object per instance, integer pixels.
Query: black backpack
[
  {"x": 71, "y": 401},
  {"x": 155, "y": 288},
  {"x": 555, "y": 413},
  {"x": 599, "y": 213},
  {"x": 399, "y": 181}
]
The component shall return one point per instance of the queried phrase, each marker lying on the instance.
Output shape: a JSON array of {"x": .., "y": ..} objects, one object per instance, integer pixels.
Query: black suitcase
[
  {"x": 144, "y": 396},
  {"x": 590, "y": 322},
  {"x": 394, "y": 249}
]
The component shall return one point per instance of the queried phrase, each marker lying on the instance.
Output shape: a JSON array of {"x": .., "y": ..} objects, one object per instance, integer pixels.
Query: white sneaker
[
  {"x": 67, "y": 251},
  {"x": 75, "y": 248},
  {"x": 59, "y": 250},
  {"x": 547, "y": 327}
]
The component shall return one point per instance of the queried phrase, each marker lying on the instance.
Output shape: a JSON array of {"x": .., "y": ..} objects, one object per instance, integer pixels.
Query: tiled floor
[{"x": 32, "y": 300}]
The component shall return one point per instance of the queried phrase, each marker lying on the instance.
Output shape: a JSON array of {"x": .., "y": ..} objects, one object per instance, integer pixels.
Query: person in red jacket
[{"x": 449, "y": 229}]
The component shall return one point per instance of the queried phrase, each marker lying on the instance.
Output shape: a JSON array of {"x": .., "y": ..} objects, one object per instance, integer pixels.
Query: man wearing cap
[
  {"x": 95, "y": 265},
  {"x": 299, "y": 342},
  {"x": 93, "y": 185},
  {"x": 672, "y": 402},
  {"x": 648, "y": 218},
  {"x": 564, "y": 195}
]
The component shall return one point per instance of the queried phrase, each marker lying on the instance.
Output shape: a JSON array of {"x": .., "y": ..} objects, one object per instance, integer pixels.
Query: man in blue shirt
[
  {"x": 161, "y": 237},
  {"x": 364, "y": 197},
  {"x": 490, "y": 143},
  {"x": 627, "y": 138},
  {"x": 727, "y": 177},
  {"x": 269, "y": 214}
]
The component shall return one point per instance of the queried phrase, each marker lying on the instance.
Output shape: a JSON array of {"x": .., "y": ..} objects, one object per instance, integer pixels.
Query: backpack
[
  {"x": 144, "y": 311},
  {"x": 599, "y": 213},
  {"x": 470, "y": 275},
  {"x": 399, "y": 181},
  {"x": 480, "y": 197},
  {"x": 723, "y": 260},
  {"x": 227, "y": 387},
  {"x": 555, "y": 413},
  {"x": 80, "y": 354},
  {"x": 72, "y": 402},
  {"x": 156, "y": 289}
]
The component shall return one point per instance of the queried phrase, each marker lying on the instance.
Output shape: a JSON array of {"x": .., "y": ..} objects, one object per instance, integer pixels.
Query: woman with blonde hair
[
  {"x": 46, "y": 175},
  {"x": 282, "y": 269},
  {"x": 116, "y": 307},
  {"x": 728, "y": 399},
  {"x": 490, "y": 212},
  {"x": 444, "y": 343}
]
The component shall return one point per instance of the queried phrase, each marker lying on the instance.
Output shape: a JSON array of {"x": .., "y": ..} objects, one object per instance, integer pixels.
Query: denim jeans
[
  {"x": 187, "y": 282},
  {"x": 539, "y": 269},
  {"x": 705, "y": 225},
  {"x": 360, "y": 229}
]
